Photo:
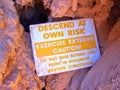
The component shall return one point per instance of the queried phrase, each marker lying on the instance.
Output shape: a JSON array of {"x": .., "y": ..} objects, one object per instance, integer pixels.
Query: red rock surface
[
  {"x": 17, "y": 71},
  {"x": 105, "y": 75}
]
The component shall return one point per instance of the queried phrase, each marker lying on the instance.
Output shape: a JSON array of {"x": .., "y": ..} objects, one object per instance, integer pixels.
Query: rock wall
[
  {"x": 105, "y": 75},
  {"x": 17, "y": 71}
]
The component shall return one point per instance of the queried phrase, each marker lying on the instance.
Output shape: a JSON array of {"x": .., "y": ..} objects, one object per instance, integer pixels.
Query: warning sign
[{"x": 64, "y": 46}]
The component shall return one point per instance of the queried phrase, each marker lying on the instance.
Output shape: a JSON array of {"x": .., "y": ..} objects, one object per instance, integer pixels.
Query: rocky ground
[{"x": 17, "y": 71}]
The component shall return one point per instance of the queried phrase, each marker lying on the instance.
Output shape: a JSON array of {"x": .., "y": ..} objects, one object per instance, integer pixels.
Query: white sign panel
[{"x": 64, "y": 46}]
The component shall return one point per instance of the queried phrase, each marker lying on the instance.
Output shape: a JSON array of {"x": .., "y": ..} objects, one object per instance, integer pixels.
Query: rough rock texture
[
  {"x": 17, "y": 71},
  {"x": 10, "y": 35},
  {"x": 105, "y": 75},
  {"x": 25, "y": 2}
]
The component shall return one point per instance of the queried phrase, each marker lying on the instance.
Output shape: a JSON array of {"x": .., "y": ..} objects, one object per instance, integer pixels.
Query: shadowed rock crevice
[
  {"x": 35, "y": 14},
  {"x": 114, "y": 13}
]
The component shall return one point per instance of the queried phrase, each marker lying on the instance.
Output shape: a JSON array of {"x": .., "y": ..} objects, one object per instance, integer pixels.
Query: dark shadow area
[
  {"x": 114, "y": 13},
  {"x": 33, "y": 15},
  {"x": 43, "y": 88}
]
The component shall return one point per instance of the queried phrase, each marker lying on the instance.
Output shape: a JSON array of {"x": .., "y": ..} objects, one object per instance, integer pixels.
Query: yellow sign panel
[{"x": 64, "y": 46}]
